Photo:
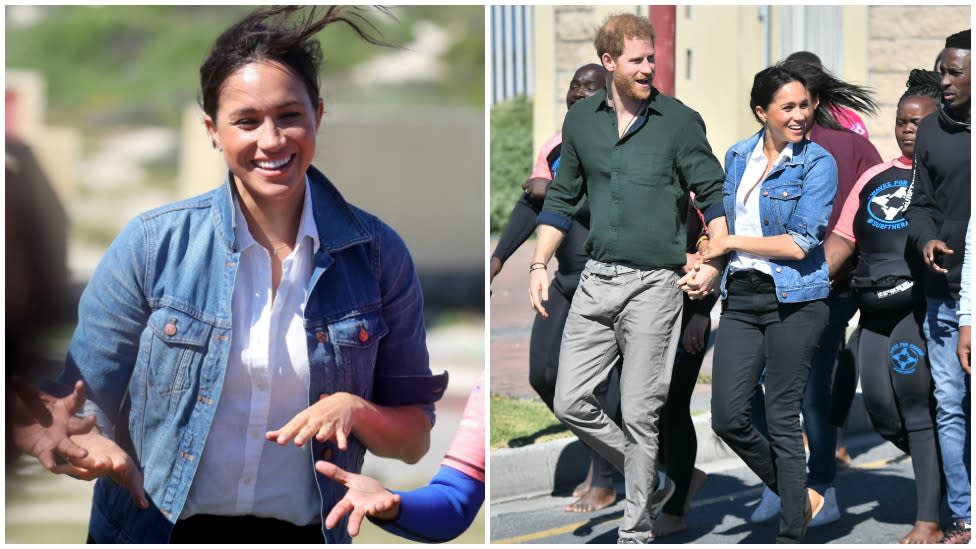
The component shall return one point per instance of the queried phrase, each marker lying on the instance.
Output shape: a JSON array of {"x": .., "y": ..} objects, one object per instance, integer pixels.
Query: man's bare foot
[
  {"x": 584, "y": 486},
  {"x": 698, "y": 478},
  {"x": 843, "y": 458},
  {"x": 594, "y": 499},
  {"x": 923, "y": 532},
  {"x": 667, "y": 524}
]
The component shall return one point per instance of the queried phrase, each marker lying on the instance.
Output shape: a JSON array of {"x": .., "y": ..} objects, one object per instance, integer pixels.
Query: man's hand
[
  {"x": 539, "y": 290},
  {"x": 365, "y": 496},
  {"x": 494, "y": 267},
  {"x": 105, "y": 458},
  {"x": 701, "y": 281},
  {"x": 963, "y": 348},
  {"x": 537, "y": 187},
  {"x": 332, "y": 417},
  {"x": 41, "y": 424},
  {"x": 690, "y": 261},
  {"x": 931, "y": 252},
  {"x": 693, "y": 338}
]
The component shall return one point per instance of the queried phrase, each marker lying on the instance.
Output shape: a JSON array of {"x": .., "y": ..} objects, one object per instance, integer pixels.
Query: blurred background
[{"x": 102, "y": 123}]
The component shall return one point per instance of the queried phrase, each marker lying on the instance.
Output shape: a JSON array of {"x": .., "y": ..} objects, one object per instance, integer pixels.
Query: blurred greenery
[
  {"x": 133, "y": 65},
  {"x": 511, "y": 157}
]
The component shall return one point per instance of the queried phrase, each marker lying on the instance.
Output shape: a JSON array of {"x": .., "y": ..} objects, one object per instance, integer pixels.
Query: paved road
[{"x": 876, "y": 495}]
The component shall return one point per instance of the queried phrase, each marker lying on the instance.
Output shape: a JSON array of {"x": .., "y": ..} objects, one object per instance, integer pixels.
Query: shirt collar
[
  {"x": 306, "y": 226},
  {"x": 785, "y": 156}
]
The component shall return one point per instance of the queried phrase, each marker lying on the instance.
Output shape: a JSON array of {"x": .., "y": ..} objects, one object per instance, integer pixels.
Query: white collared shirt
[
  {"x": 265, "y": 386},
  {"x": 747, "y": 220}
]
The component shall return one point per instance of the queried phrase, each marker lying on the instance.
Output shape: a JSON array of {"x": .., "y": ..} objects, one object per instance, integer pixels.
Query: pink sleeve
[
  {"x": 467, "y": 451},
  {"x": 845, "y": 223},
  {"x": 541, "y": 168},
  {"x": 850, "y": 120}
]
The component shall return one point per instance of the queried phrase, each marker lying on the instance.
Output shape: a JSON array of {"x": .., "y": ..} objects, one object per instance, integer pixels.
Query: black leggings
[
  {"x": 547, "y": 335},
  {"x": 897, "y": 388},
  {"x": 678, "y": 443}
]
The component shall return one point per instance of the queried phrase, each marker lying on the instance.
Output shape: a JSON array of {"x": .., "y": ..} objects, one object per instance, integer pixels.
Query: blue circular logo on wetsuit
[
  {"x": 905, "y": 357},
  {"x": 886, "y": 206}
]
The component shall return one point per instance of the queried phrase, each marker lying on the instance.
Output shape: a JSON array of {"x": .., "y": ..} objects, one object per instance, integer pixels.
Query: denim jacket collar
[
  {"x": 338, "y": 226},
  {"x": 743, "y": 150}
]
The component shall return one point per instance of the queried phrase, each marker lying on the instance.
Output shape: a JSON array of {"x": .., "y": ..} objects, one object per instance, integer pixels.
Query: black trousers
[
  {"x": 759, "y": 332},
  {"x": 241, "y": 529},
  {"x": 547, "y": 335}
]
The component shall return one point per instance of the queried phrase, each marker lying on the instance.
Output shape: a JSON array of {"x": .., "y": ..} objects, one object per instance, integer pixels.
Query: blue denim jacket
[
  {"x": 797, "y": 198},
  {"x": 157, "y": 387}
]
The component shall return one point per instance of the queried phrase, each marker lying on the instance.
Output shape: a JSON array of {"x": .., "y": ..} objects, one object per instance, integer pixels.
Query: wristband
[{"x": 537, "y": 267}]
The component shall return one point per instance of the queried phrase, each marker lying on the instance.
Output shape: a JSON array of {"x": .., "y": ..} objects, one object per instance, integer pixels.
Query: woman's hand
[
  {"x": 106, "y": 459},
  {"x": 332, "y": 417},
  {"x": 718, "y": 247},
  {"x": 699, "y": 282},
  {"x": 693, "y": 338},
  {"x": 365, "y": 497},
  {"x": 41, "y": 424}
]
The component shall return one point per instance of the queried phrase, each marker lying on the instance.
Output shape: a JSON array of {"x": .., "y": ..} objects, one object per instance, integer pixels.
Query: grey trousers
[{"x": 621, "y": 311}]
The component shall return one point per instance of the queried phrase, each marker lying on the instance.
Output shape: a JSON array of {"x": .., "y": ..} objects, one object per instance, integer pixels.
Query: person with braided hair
[
  {"x": 889, "y": 346},
  {"x": 218, "y": 330}
]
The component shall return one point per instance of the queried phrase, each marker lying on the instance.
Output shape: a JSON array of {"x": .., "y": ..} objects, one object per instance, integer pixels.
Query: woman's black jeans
[{"x": 756, "y": 332}]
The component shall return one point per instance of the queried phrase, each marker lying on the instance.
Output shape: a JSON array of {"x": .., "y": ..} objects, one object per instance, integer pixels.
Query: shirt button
[
  {"x": 321, "y": 337},
  {"x": 262, "y": 387},
  {"x": 248, "y": 480},
  {"x": 170, "y": 328},
  {"x": 765, "y": 222}
]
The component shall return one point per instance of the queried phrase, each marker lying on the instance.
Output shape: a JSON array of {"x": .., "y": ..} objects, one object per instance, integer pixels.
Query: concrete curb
[{"x": 539, "y": 469}]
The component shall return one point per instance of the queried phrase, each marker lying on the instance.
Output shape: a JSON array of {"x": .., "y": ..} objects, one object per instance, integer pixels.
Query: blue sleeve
[
  {"x": 440, "y": 511},
  {"x": 808, "y": 223}
]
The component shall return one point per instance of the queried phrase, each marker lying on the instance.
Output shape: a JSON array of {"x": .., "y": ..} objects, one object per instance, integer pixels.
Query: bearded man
[{"x": 635, "y": 154}]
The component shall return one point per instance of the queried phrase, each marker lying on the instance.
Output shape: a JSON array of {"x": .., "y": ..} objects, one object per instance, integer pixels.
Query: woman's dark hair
[
  {"x": 922, "y": 83},
  {"x": 268, "y": 34},
  {"x": 766, "y": 83},
  {"x": 832, "y": 92}
]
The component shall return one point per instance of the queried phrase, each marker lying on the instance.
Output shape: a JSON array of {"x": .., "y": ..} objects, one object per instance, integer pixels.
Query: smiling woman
[{"x": 229, "y": 340}]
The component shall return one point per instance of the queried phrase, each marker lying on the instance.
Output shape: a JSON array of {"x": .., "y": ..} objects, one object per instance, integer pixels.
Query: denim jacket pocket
[
  {"x": 177, "y": 347},
  {"x": 783, "y": 200},
  {"x": 356, "y": 342}
]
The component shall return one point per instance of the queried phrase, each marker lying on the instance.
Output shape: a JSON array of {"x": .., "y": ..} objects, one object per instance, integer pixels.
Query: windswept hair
[
  {"x": 832, "y": 92},
  {"x": 272, "y": 34},
  {"x": 922, "y": 83}
]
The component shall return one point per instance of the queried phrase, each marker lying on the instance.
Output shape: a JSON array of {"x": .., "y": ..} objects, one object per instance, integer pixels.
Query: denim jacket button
[
  {"x": 765, "y": 222},
  {"x": 170, "y": 328},
  {"x": 786, "y": 294},
  {"x": 765, "y": 193},
  {"x": 321, "y": 337},
  {"x": 779, "y": 269},
  {"x": 785, "y": 194},
  {"x": 363, "y": 334}
]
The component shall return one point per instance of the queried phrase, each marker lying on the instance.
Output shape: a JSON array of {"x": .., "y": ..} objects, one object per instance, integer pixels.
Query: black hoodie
[{"x": 940, "y": 197}]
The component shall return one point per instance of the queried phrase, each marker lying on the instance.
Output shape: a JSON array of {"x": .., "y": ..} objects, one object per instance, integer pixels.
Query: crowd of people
[{"x": 804, "y": 226}]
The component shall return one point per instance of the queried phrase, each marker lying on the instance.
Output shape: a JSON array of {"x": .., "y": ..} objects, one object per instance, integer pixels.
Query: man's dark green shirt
[{"x": 637, "y": 185}]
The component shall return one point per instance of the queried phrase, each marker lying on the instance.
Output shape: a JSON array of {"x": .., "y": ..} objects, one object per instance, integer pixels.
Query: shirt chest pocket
[
  {"x": 177, "y": 345},
  {"x": 355, "y": 342},
  {"x": 781, "y": 200},
  {"x": 648, "y": 168}
]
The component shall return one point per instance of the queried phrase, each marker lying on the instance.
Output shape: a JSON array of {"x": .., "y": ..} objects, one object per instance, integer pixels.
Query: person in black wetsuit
[
  {"x": 597, "y": 491},
  {"x": 889, "y": 346}
]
